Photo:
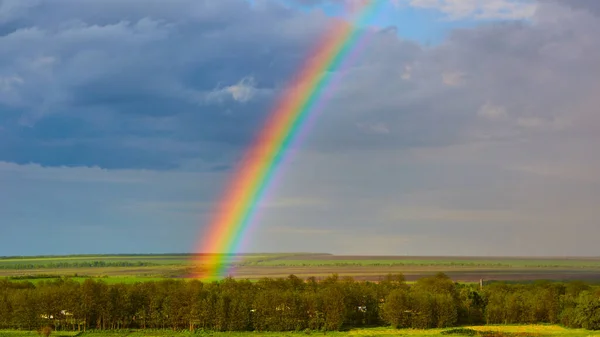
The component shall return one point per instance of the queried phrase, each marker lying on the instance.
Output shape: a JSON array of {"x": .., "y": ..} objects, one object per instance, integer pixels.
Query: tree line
[{"x": 292, "y": 304}]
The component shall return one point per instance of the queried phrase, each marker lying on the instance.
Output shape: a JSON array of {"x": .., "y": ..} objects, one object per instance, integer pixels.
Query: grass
[
  {"x": 155, "y": 260},
  {"x": 139, "y": 267},
  {"x": 160, "y": 259},
  {"x": 108, "y": 280},
  {"x": 256, "y": 266},
  {"x": 14, "y": 333},
  {"x": 492, "y": 263},
  {"x": 290, "y": 260},
  {"x": 495, "y": 331},
  {"x": 79, "y": 261}
]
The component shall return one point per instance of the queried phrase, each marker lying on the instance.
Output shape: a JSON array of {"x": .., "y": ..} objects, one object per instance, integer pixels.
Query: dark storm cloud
[
  {"x": 143, "y": 84},
  {"x": 79, "y": 78}
]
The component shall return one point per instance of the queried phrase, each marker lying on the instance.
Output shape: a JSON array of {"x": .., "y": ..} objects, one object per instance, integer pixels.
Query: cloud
[
  {"x": 8, "y": 83},
  {"x": 80, "y": 82},
  {"x": 95, "y": 83},
  {"x": 43, "y": 62},
  {"x": 586, "y": 5},
  {"x": 149, "y": 209},
  {"x": 295, "y": 202},
  {"x": 455, "y": 215},
  {"x": 453, "y": 78},
  {"x": 11, "y": 9},
  {"x": 454, "y": 9},
  {"x": 68, "y": 174},
  {"x": 9, "y": 89},
  {"x": 492, "y": 112},
  {"x": 124, "y": 119},
  {"x": 480, "y": 9},
  {"x": 374, "y": 128},
  {"x": 243, "y": 91},
  {"x": 300, "y": 231},
  {"x": 407, "y": 72}
]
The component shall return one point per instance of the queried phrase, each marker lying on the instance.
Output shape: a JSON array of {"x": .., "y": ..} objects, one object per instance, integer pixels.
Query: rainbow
[{"x": 237, "y": 206}]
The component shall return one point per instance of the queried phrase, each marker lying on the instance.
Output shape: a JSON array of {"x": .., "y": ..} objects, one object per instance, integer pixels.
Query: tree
[
  {"x": 471, "y": 306},
  {"x": 446, "y": 313},
  {"x": 333, "y": 307},
  {"x": 397, "y": 309},
  {"x": 422, "y": 309},
  {"x": 288, "y": 304},
  {"x": 587, "y": 311}
]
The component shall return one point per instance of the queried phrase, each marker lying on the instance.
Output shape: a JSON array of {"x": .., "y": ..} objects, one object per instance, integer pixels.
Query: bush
[{"x": 46, "y": 331}]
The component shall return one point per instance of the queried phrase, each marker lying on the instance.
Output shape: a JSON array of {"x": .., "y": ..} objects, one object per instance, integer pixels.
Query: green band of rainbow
[{"x": 235, "y": 210}]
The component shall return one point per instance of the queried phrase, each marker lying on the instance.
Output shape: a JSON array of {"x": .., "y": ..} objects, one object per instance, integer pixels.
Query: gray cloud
[
  {"x": 80, "y": 80},
  {"x": 497, "y": 157},
  {"x": 587, "y": 5},
  {"x": 481, "y": 145}
]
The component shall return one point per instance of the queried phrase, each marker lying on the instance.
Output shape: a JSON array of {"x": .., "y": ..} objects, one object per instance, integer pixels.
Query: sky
[{"x": 465, "y": 127}]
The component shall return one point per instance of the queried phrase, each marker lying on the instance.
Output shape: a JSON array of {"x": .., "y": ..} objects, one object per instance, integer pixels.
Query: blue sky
[
  {"x": 424, "y": 22},
  {"x": 469, "y": 129}
]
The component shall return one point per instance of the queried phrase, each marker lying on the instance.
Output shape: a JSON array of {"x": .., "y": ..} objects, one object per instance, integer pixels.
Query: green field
[
  {"x": 167, "y": 259},
  {"x": 491, "y": 331},
  {"x": 131, "y": 268},
  {"x": 111, "y": 268},
  {"x": 107, "y": 261},
  {"x": 503, "y": 263},
  {"x": 107, "y": 280}
]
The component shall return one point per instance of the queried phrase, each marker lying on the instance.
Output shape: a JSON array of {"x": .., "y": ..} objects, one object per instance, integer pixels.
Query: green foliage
[
  {"x": 289, "y": 304},
  {"x": 586, "y": 313},
  {"x": 397, "y": 309}
]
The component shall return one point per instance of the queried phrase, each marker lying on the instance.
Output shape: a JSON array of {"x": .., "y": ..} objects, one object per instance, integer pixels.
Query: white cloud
[{"x": 243, "y": 91}]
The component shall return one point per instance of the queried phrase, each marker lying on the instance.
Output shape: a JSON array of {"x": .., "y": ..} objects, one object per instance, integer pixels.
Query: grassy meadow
[
  {"x": 293, "y": 261},
  {"x": 483, "y": 331},
  {"x": 132, "y": 268}
]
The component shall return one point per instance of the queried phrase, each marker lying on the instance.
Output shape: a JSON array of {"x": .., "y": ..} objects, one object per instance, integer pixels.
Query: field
[
  {"x": 492, "y": 331},
  {"x": 133, "y": 268}
]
